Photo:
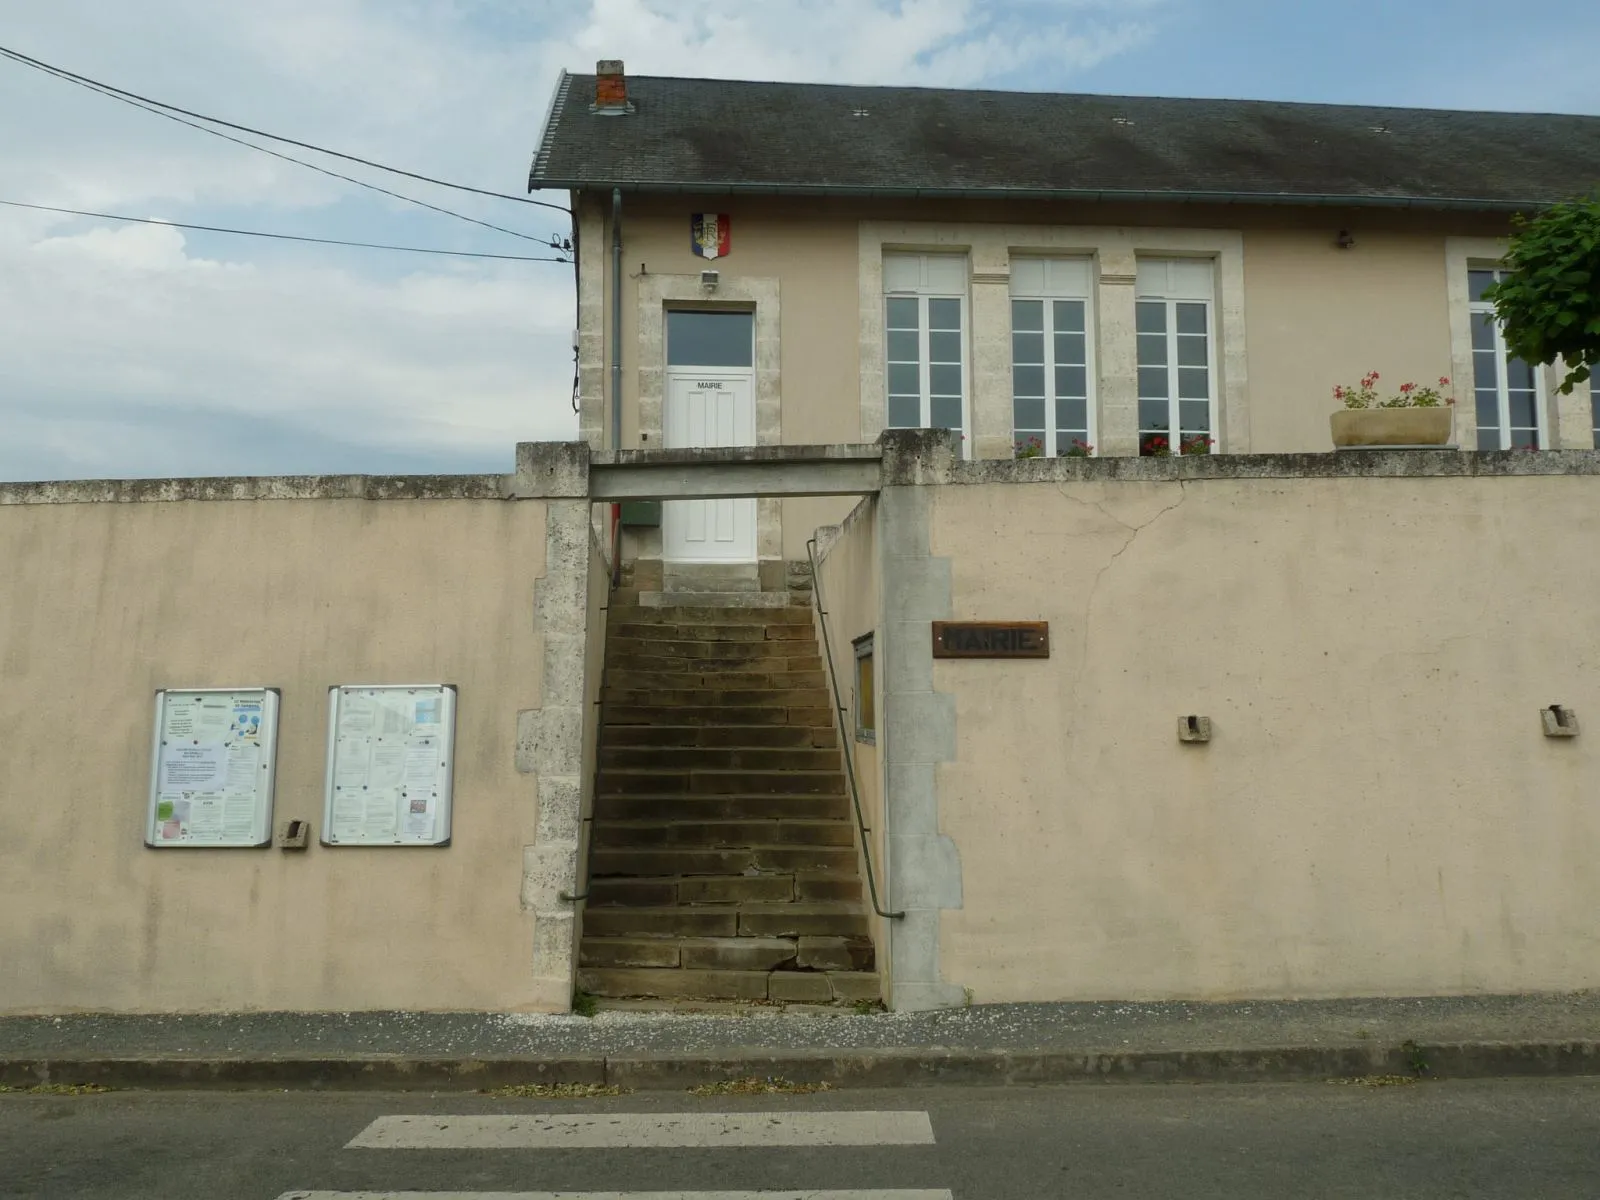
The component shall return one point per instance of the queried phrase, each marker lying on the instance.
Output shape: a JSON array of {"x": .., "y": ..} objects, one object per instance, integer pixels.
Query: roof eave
[{"x": 1102, "y": 195}]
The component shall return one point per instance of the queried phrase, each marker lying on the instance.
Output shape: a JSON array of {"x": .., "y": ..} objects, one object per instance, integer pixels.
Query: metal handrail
[{"x": 849, "y": 752}]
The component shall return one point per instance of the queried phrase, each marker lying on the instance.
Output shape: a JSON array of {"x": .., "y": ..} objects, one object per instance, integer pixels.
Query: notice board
[
  {"x": 391, "y": 756},
  {"x": 212, "y": 767}
]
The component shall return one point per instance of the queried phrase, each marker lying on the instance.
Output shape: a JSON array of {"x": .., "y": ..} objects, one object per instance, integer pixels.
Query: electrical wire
[
  {"x": 286, "y": 237},
  {"x": 553, "y": 243},
  {"x": 122, "y": 94}
]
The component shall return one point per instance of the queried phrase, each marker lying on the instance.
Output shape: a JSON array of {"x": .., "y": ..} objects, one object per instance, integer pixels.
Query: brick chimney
[{"x": 610, "y": 89}]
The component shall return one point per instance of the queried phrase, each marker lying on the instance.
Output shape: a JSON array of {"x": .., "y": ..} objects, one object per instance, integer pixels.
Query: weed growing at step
[
  {"x": 1377, "y": 1081},
  {"x": 557, "y": 1091},
  {"x": 584, "y": 1005},
  {"x": 753, "y": 1086},
  {"x": 1415, "y": 1058},
  {"x": 57, "y": 1089}
]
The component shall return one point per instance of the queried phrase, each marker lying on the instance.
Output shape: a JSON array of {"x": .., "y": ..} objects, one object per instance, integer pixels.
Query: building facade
[{"x": 1043, "y": 274}]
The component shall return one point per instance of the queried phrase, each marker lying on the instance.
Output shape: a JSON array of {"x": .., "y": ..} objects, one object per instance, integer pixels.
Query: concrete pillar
[
  {"x": 551, "y": 738},
  {"x": 1571, "y": 416},
  {"x": 990, "y": 435},
  {"x": 922, "y": 868},
  {"x": 1118, "y": 347}
]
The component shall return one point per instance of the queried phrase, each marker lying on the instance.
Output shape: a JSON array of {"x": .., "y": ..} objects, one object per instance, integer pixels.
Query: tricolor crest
[{"x": 709, "y": 234}]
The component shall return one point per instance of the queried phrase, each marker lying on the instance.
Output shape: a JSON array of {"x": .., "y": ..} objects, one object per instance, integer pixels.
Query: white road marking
[
  {"x": 592, "y": 1131},
  {"x": 941, "y": 1194}
]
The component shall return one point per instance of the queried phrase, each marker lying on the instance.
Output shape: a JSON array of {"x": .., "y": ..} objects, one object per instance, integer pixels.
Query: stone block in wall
[{"x": 549, "y": 736}]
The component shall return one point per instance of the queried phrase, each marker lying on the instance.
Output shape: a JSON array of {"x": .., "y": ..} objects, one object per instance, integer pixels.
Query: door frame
[
  {"x": 745, "y": 375},
  {"x": 658, "y": 293}
]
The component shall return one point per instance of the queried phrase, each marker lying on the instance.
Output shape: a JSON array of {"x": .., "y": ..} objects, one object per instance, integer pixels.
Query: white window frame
[
  {"x": 865, "y": 734},
  {"x": 1056, "y": 283},
  {"x": 924, "y": 287},
  {"x": 1502, "y": 380},
  {"x": 1594, "y": 407},
  {"x": 1175, "y": 281}
]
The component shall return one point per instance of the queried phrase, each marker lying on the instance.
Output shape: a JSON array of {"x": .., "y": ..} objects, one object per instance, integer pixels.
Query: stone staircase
[{"x": 723, "y": 862}]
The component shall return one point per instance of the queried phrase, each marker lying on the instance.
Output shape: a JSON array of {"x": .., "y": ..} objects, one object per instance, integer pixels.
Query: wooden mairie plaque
[{"x": 991, "y": 639}]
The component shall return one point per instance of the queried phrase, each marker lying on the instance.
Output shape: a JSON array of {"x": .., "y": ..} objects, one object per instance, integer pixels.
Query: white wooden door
[{"x": 709, "y": 406}]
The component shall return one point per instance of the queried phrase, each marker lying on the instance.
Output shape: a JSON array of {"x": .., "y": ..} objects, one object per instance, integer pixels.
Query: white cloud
[
  {"x": 143, "y": 350},
  {"x": 938, "y": 42}
]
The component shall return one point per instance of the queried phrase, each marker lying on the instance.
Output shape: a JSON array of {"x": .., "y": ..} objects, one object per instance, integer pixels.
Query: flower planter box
[{"x": 1392, "y": 426}]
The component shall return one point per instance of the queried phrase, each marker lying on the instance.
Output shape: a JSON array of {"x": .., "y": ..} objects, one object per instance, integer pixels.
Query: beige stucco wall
[
  {"x": 1312, "y": 314},
  {"x": 103, "y": 603},
  {"x": 850, "y": 581},
  {"x": 1319, "y": 316},
  {"x": 1379, "y": 812},
  {"x": 812, "y": 259}
]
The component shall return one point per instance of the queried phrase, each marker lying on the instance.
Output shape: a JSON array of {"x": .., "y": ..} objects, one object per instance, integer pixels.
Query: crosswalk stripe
[
  {"x": 588, "y": 1131},
  {"x": 801, "y": 1195}
]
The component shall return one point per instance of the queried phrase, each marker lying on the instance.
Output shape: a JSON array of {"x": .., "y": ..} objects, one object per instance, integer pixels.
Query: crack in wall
[{"x": 1133, "y": 535}]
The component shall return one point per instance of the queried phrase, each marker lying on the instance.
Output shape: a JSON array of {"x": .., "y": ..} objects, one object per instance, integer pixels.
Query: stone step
[
  {"x": 610, "y": 834},
  {"x": 667, "y": 891},
  {"x": 729, "y": 953},
  {"x": 630, "y": 952},
  {"x": 817, "y": 919},
  {"x": 698, "y": 782},
  {"x": 704, "y": 985},
  {"x": 681, "y": 598},
  {"x": 722, "y": 736},
  {"x": 842, "y": 887},
  {"x": 727, "y": 631},
  {"x": 672, "y": 681},
  {"x": 665, "y": 662},
  {"x": 652, "y": 714},
  {"x": 690, "y": 614},
  {"x": 722, "y": 808},
  {"x": 624, "y": 649},
  {"x": 738, "y": 953},
  {"x": 665, "y": 922},
  {"x": 669, "y": 758},
  {"x": 743, "y": 860},
  {"x": 757, "y": 919},
  {"x": 796, "y": 987},
  {"x": 713, "y": 696}
]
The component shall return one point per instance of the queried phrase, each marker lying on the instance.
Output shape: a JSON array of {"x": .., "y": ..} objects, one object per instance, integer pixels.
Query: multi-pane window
[
  {"x": 1052, "y": 410},
  {"x": 866, "y": 698},
  {"x": 1177, "y": 376},
  {"x": 1594, "y": 407},
  {"x": 925, "y": 308},
  {"x": 1505, "y": 389}
]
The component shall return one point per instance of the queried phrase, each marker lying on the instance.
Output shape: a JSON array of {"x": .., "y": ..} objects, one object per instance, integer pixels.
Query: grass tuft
[{"x": 753, "y": 1086}]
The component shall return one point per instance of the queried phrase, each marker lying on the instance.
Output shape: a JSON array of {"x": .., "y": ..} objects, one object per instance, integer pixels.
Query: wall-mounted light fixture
[{"x": 709, "y": 280}]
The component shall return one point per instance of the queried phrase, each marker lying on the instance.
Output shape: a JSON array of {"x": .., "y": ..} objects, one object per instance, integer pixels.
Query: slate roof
[{"x": 718, "y": 136}]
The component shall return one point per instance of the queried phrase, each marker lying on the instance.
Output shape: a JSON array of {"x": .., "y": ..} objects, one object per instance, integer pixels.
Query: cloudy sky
[{"x": 130, "y": 350}]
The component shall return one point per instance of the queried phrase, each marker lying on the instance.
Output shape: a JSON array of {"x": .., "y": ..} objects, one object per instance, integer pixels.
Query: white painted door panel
[{"x": 707, "y": 407}]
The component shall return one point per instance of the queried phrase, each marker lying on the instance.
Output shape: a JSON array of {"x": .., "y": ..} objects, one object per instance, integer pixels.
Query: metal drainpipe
[{"x": 616, "y": 373}]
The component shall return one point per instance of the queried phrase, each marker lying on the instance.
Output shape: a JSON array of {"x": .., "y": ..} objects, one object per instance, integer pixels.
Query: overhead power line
[
  {"x": 228, "y": 137},
  {"x": 285, "y": 237},
  {"x": 115, "y": 92}
]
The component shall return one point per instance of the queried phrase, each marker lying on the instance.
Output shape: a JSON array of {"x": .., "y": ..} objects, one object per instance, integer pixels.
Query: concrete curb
[{"x": 896, "y": 1068}]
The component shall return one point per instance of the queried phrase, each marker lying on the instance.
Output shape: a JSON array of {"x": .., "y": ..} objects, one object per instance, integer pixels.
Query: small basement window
[{"x": 866, "y": 697}]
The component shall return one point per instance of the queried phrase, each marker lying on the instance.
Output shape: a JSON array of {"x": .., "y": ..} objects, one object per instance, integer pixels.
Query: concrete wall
[
  {"x": 113, "y": 591},
  {"x": 849, "y": 575},
  {"x": 1379, "y": 812}
]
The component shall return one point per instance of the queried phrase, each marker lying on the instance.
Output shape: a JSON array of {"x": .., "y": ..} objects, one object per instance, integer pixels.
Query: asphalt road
[{"x": 1502, "y": 1139}]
